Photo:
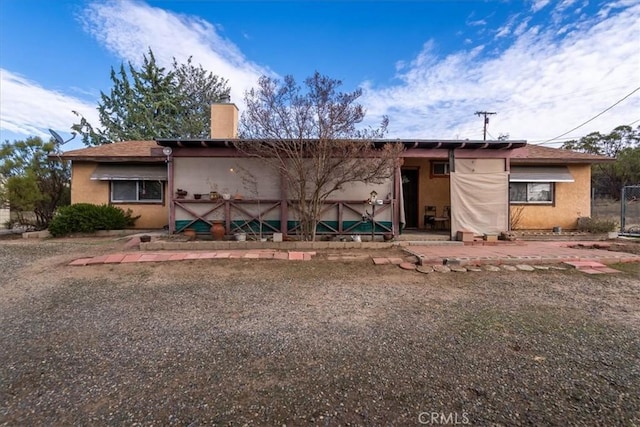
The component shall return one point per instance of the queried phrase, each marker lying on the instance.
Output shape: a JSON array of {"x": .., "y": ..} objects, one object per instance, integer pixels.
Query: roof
[
  {"x": 532, "y": 154},
  {"x": 151, "y": 151},
  {"x": 408, "y": 143},
  {"x": 142, "y": 151}
]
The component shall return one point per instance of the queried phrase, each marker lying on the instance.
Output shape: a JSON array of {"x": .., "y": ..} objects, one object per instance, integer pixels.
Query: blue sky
[{"x": 544, "y": 66}]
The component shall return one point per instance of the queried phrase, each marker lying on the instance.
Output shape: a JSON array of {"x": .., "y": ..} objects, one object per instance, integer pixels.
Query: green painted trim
[{"x": 327, "y": 227}]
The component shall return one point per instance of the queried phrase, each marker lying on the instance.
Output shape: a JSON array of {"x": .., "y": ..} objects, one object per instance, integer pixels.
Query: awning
[
  {"x": 540, "y": 174},
  {"x": 129, "y": 173}
]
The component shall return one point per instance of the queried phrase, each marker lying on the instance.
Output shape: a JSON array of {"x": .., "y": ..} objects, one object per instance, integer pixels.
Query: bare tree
[{"x": 312, "y": 139}]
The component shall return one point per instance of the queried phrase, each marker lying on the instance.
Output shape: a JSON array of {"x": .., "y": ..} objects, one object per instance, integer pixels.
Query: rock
[
  {"x": 407, "y": 266},
  {"x": 441, "y": 269},
  {"x": 425, "y": 269}
]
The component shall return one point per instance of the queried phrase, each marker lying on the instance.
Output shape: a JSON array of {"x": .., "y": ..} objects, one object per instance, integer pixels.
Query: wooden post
[
  {"x": 172, "y": 208},
  {"x": 284, "y": 208},
  {"x": 397, "y": 182}
]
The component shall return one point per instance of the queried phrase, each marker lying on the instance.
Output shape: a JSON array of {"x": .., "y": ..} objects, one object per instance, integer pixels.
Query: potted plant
[
  {"x": 190, "y": 233},
  {"x": 213, "y": 194},
  {"x": 217, "y": 230},
  {"x": 181, "y": 194}
]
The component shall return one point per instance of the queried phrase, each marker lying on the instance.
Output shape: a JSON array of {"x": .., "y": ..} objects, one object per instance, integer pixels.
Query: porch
[{"x": 259, "y": 218}]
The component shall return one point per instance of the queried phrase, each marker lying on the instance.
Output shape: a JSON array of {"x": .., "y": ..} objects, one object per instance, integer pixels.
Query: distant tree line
[
  {"x": 623, "y": 143},
  {"x": 33, "y": 181}
]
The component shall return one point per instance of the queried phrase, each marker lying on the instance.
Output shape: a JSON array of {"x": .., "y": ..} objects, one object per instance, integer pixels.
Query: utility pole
[{"x": 486, "y": 115}]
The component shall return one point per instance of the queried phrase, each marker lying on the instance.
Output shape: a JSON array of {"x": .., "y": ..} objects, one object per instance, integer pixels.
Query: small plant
[
  {"x": 597, "y": 225},
  {"x": 517, "y": 213},
  {"x": 87, "y": 218}
]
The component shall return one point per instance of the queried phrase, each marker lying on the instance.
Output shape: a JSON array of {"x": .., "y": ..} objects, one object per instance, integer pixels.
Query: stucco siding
[
  {"x": 252, "y": 179},
  {"x": 249, "y": 178},
  {"x": 572, "y": 200},
  {"x": 85, "y": 190},
  {"x": 432, "y": 190}
]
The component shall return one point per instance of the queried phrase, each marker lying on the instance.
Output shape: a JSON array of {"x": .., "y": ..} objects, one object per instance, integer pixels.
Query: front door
[{"x": 410, "y": 195}]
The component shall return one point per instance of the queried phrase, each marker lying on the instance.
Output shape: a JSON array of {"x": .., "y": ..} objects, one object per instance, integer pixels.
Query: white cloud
[
  {"x": 29, "y": 109},
  {"x": 539, "y": 5},
  {"x": 129, "y": 29},
  {"x": 541, "y": 86}
]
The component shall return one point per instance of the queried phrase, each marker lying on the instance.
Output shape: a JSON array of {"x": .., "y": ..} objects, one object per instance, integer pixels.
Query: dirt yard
[{"x": 241, "y": 342}]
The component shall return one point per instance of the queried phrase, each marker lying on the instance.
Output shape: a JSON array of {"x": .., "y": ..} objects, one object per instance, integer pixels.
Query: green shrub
[
  {"x": 597, "y": 225},
  {"x": 87, "y": 218}
]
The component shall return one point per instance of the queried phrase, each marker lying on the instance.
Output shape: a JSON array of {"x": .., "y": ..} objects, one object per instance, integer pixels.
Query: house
[
  {"x": 455, "y": 185},
  {"x": 131, "y": 175}
]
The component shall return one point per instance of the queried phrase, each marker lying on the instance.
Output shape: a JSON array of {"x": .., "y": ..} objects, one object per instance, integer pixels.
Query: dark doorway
[{"x": 410, "y": 194}]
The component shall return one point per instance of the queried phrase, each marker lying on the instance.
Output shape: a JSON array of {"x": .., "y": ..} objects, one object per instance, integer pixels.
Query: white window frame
[
  {"x": 530, "y": 192},
  {"x": 112, "y": 199},
  {"x": 445, "y": 167}
]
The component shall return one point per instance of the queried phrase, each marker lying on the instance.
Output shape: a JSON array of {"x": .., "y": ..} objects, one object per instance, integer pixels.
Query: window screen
[
  {"x": 136, "y": 191},
  {"x": 531, "y": 192}
]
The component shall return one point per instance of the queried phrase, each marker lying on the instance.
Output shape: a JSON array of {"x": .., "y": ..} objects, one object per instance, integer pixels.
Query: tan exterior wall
[
  {"x": 432, "y": 191},
  {"x": 224, "y": 121},
  {"x": 84, "y": 190},
  {"x": 572, "y": 200}
]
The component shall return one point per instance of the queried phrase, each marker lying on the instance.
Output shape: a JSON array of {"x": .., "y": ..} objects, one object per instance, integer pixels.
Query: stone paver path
[
  {"x": 587, "y": 257},
  {"x": 123, "y": 258}
]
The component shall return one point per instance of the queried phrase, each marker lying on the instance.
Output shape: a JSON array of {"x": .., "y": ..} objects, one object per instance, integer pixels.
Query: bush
[
  {"x": 87, "y": 218},
  {"x": 597, "y": 225}
]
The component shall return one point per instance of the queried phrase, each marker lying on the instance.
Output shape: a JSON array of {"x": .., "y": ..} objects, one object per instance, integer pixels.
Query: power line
[
  {"x": 535, "y": 141},
  {"x": 592, "y": 118}
]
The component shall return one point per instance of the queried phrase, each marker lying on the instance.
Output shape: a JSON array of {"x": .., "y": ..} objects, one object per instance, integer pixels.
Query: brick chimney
[{"x": 224, "y": 119}]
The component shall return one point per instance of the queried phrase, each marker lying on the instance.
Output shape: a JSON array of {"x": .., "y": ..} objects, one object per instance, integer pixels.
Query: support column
[
  {"x": 170, "y": 191},
  {"x": 397, "y": 182},
  {"x": 284, "y": 207}
]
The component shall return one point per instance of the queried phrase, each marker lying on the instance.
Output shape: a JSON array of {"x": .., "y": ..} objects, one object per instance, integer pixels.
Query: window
[
  {"x": 136, "y": 191},
  {"x": 531, "y": 192},
  {"x": 439, "y": 168}
]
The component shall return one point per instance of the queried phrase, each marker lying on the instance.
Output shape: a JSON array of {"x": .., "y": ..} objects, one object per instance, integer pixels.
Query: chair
[
  {"x": 429, "y": 216},
  {"x": 443, "y": 220}
]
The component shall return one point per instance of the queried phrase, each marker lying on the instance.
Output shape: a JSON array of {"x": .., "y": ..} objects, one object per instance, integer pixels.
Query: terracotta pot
[
  {"x": 217, "y": 231},
  {"x": 190, "y": 233}
]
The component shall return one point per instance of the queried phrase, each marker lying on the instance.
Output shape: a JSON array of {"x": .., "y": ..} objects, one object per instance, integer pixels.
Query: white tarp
[{"x": 479, "y": 202}]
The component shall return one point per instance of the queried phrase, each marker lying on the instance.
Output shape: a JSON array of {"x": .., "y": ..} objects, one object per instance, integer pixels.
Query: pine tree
[{"x": 153, "y": 102}]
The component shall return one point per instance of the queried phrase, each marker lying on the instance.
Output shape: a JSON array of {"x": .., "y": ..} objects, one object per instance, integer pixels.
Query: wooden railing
[{"x": 250, "y": 214}]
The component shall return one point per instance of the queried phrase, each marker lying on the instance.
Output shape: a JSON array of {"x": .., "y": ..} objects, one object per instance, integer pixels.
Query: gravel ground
[{"x": 235, "y": 342}]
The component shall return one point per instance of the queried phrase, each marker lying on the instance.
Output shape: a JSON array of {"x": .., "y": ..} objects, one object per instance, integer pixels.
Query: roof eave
[
  {"x": 409, "y": 144},
  {"x": 112, "y": 159},
  {"x": 558, "y": 161}
]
